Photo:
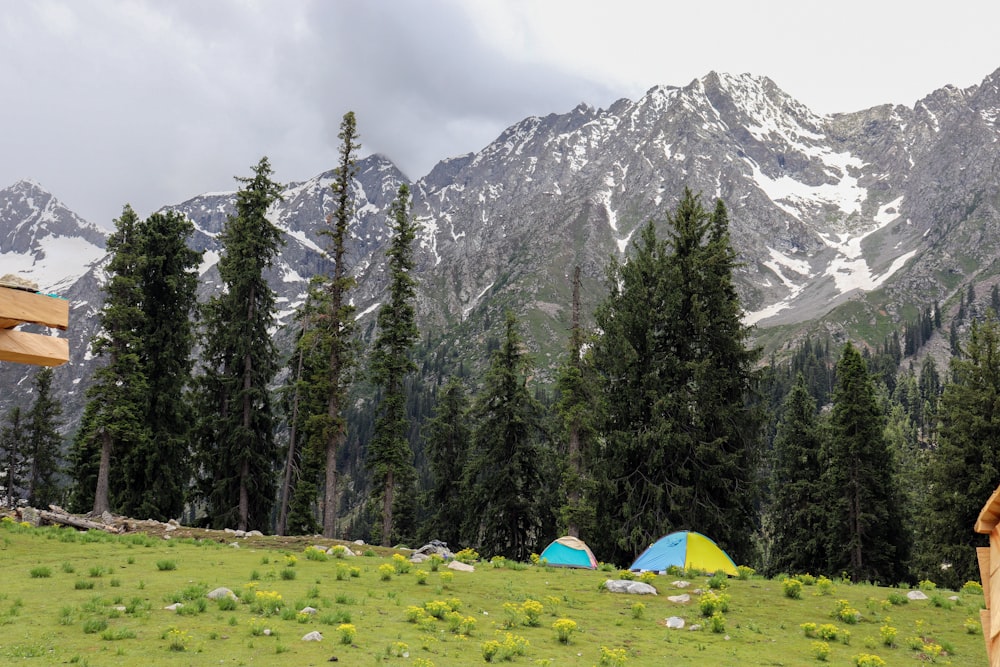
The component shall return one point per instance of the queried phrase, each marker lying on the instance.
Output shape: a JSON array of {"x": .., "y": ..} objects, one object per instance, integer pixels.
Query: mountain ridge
[{"x": 878, "y": 210}]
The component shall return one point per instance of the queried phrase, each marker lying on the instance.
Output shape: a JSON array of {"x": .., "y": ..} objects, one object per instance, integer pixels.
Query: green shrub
[
  {"x": 94, "y": 625},
  {"x": 347, "y": 633},
  {"x": 744, "y": 572},
  {"x": 888, "y": 634},
  {"x": 824, "y": 586},
  {"x": 717, "y": 623},
  {"x": 718, "y": 581},
  {"x": 564, "y": 628},
  {"x": 847, "y": 613},
  {"x": 972, "y": 588},
  {"x": 83, "y": 585},
  {"x": 897, "y": 598},
  {"x": 710, "y": 602},
  {"x": 468, "y": 556},
  {"x": 792, "y": 588},
  {"x": 40, "y": 572},
  {"x": 867, "y": 660},
  {"x": 166, "y": 565},
  {"x": 821, "y": 651}
]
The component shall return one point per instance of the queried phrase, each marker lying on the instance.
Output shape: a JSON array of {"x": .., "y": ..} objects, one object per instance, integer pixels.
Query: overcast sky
[{"x": 152, "y": 102}]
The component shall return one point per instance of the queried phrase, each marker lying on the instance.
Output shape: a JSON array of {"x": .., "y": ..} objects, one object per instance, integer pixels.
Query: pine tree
[
  {"x": 682, "y": 436},
  {"x": 43, "y": 443},
  {"x": 113, "y": 423},
  {"x": 335, "y": 324},
  {"x": 577, "y": 407},
  {"x": 12, "y": 461},
  {"x": 796, "y": 515},
  {"x": 153, "y": 476},
  {"x": 866, "y": 531},
  {"x": 965, "y": 468},
  {"x": 447, "y": 442},
  {"x": 236, "y": 429},
  {"x": 507, "y": 468},
  {"x": 390, "y": 458}
]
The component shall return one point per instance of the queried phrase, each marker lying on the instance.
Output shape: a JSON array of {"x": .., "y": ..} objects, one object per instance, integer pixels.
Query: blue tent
[
  {"x": 569, "y": 552},
  {"x": 687, "y": 550}
]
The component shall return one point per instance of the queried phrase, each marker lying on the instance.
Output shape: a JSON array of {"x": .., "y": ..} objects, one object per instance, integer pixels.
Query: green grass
[{"x": 446, "y": 621}]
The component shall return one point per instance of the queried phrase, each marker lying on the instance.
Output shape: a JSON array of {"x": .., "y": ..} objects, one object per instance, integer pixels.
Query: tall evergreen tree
[
  {"x": 390, "y": 458},
  {"x": 867, "y": 537},
  {"x": 43, "y": 442},
  {"x": 11, "y": 450},
  {"x": 577, "y": 407},
  {"x": 335, "y": 323},
  {"x": 154, "y": 475},
  {"x": 448, "y": 438},
  {"x": 682, "y": 435},
  {"x": 507, "y": 472},
  {"x": 236, "y": 429},
  {"x": 796, "y": 515},
  {"x": 965, "y": 467},
  {"x": 113, "y": 423}
]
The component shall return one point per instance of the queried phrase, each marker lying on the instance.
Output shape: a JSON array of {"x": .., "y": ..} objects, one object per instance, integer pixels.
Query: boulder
[
  {"x": 220, "y": 593},
  {"x": 683, "y": 598},
  {"x": 313, "y": 636},
  {"x": 917, "y": 595},
  {"x": 461, "y": 567},
  {"x": 675, "y": 622},
  {"x": 630, "y": 587}
]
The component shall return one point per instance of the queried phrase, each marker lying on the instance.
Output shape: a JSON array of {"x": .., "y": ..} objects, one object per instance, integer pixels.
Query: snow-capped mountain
[
  {"x": 42, "y": 240},
  {"x": 881, "y": 210}
]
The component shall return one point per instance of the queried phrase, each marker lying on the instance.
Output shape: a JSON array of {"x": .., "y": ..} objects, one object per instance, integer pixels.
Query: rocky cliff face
[{"x": 846, "y": 220}]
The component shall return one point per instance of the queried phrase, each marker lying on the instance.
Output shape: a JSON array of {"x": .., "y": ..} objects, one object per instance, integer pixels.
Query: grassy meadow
[{"x": 73, "y": 598}]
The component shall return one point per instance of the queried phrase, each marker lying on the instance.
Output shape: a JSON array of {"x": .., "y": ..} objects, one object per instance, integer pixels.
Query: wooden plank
[
  {"x": 984, "y": 620},
  {"x": 994, "y": 590},
  {"x": 25, "y": 306},
  {"x": 8, "y": 324},
  {"x": 983, "y": 556},
  {"x": 28, "y": 348}
]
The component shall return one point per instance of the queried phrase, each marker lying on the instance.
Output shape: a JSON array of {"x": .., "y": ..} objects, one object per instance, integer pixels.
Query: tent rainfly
[
  {"x": 569, "y": 552},
  {"x": 685, "y": 549}
]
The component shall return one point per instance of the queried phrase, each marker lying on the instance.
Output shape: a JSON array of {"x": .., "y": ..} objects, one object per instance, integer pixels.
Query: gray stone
[
  {"x": 313, "y": 636},
  {"x": 675, "y": 622},
  {"x": 630, "y": 587},
  {"x": 220, "y": 593}
]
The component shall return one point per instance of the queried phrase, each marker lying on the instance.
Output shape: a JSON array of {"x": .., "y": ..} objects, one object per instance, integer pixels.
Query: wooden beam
[
  {"x": 22, "y": 306},
  {"x": 28, "y": 348},
  {"x": 989, "y": 516}
]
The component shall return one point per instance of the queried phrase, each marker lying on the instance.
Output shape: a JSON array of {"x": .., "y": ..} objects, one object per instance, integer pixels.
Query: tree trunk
[
  {"x": 101, "y": 504},
  {"x": 330, "y": 488},
  {"x": 286, "y": 482},
  {"x": 244, "y": 496},
  {"x": 387, "y": 500}
]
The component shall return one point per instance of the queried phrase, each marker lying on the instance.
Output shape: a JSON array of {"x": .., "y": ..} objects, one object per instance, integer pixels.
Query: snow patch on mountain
[
  {"x": 61, "y": 262},
  {"x": 801, "y": 201}
]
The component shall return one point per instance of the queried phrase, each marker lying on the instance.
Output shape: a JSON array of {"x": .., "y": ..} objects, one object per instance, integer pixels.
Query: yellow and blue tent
[
  {"x": 685, "y": 549},
  {"x": 569, "y": 552}
]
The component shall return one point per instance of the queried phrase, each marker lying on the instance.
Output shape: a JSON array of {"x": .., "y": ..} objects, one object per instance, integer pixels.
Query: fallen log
[{"x": 62, "y": 519}]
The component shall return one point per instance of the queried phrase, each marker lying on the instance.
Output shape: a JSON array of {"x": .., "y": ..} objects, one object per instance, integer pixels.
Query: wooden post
[
  {"x": 988, "y": 523},
  {"x": 19, "y": 306}
]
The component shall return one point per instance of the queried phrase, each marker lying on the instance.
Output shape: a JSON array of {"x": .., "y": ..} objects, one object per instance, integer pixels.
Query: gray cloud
[{"x": 150, "y": 102}]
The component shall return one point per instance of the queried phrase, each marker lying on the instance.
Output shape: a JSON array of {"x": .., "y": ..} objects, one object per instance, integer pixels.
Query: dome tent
[
  {"x": 569, "y": 552},
  {"x": 685, "y": 549}
]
